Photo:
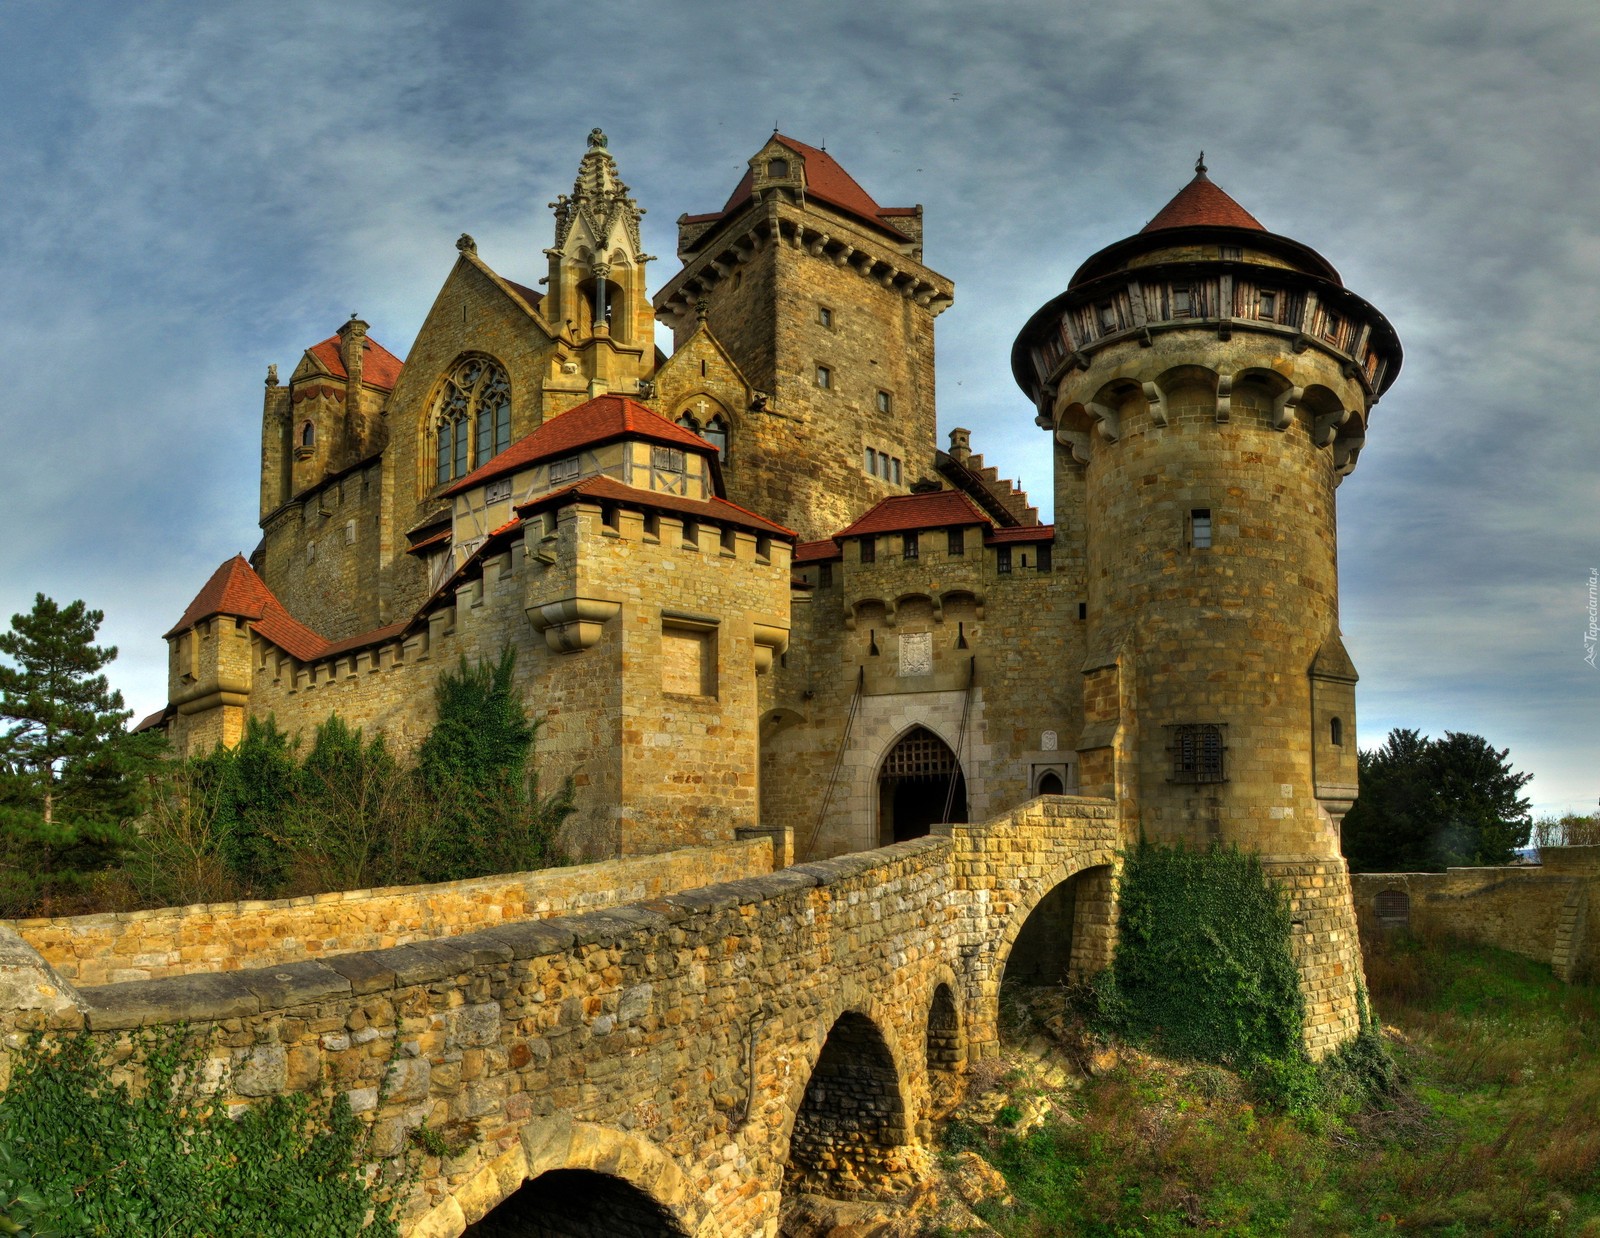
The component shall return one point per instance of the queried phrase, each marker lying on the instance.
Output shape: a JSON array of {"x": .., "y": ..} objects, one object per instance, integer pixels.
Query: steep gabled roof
[
  {"x": 610, "y": 490},
  {"x": 1201, "y": 204},
  {"x": 601, "y": 420},
  {"x": 904, "y": 512},
  {"x": 827, "y": 182},
  {"x": 235, "y": 590},
  {"x": 379, "y": 367}
]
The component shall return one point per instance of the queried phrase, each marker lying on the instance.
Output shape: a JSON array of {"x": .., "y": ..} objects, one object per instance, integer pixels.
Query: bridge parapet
[{"x": 697, "y": 1043}]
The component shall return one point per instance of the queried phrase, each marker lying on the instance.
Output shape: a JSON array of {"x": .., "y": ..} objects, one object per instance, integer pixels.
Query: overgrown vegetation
[
  {"x": 1496, "y": 1129},
  {"x": 1203, "y": 965},
  {"x": 260, "y": 821},
  {"x": 91, "y": 819},
  {"x": 82, "y": 1153}
]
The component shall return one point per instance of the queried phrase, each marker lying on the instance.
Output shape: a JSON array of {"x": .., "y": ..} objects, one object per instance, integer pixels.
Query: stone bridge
[{"x": 670, "y": 1066}]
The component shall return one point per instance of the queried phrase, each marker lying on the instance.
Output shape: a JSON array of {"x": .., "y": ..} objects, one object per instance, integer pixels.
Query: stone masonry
[{"x": 706, "y": 1047}]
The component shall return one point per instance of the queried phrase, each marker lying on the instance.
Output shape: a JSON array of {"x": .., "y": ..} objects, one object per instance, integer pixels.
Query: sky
[{"x": 191, "y": 191}]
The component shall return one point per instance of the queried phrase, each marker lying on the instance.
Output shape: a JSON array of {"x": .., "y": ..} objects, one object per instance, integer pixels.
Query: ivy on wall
[{"x": 1203, "y": 964}]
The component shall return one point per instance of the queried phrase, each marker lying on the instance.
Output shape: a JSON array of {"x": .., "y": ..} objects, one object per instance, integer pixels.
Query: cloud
[{"x": 192, "y": 193}]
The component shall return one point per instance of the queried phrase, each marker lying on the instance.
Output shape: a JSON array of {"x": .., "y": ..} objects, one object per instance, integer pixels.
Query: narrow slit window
[
  {"x": 1200, "y": 529},
  {"x": 1336, "y": 732},
  {"x": 869, "y": 550}
]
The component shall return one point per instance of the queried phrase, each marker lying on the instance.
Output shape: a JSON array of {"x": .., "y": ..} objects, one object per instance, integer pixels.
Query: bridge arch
[
  {"x": 945, "y": 1042},
  {"x": 633, "y": 1184},
  {"x": 1088, "y": 877},
  {"x": 849, "y": 1128}
]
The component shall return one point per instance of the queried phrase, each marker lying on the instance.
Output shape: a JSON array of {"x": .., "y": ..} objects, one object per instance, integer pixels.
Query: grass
[{"x": 1495, "y": 1131}]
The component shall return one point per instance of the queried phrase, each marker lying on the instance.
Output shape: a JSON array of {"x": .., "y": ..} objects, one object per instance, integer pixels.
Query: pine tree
[
  {"x": 62, "y": 710},
  {"x": 66, "y": 764}
]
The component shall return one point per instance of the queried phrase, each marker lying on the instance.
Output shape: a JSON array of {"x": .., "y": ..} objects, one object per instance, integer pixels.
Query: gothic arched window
[
  {"x": 473, "y": 423},
  {"x": 714, "y": 431}
]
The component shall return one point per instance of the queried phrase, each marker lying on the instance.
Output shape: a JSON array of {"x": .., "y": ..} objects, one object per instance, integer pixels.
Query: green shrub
[{"x": 82, "y": 1154}]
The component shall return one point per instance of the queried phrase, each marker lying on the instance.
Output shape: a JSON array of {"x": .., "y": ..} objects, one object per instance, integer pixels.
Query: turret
[
  {"x": 821, "y": 298},
  {"x": 1208, "y": 385}
]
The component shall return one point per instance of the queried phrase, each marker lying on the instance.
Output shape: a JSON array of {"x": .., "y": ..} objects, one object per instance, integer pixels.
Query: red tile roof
[
  {"x": 379, "y": 367},
  {"x": 155, "y": 719},
  {"x": 610, "y": 490},
  {"x": 900, "y": 512},
  {"x": 530, "y": 295},
  {"x": 1202, "y": 204},
  {"x": 235, "y": 589},
  {"x": 440, "y": 538},
  {"x": 362, "y": 639},
  {"x": 827, "y": 181},
  {"x": 600, "y": 420},
  {"x": 1021, "y": 533},
  {"x": 817, "y": 552}
]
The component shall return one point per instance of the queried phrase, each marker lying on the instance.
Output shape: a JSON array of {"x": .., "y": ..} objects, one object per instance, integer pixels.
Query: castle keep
[{"x": 748, "y": 590}]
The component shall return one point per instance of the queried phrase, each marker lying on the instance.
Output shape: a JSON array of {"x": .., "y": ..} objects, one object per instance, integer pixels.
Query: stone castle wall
[
  {"x": 1549, "y": 912},
  {"x": 320, "y": 554},
  {"x": 218, "y": 937}
]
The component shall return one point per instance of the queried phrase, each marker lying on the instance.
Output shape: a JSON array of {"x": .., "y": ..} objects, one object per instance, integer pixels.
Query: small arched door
[{"x": 919, "y": 785}]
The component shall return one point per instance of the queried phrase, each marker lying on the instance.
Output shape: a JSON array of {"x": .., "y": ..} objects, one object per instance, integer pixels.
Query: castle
[{"x": 749, "y": 592}]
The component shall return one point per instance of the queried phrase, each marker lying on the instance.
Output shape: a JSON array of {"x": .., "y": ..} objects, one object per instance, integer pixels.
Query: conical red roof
[{"x": 1201, "y": 204}]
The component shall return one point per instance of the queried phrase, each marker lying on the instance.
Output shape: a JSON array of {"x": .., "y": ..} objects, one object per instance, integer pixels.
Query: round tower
[{"x": 1208, "y": 384}]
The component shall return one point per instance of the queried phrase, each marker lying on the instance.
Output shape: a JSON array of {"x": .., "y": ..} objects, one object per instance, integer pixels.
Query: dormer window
[
  {"x": 1269, "y": 307},
  {"x": 667, "y": 459},
  {"x": 777, "y": 169}
]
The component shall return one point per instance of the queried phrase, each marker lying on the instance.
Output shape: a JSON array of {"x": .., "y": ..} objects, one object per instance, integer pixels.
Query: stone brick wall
[
  {"x": 216, "y": 937},
  {"x": 1015, "y": 637},
  {"x": 320, "y": 554},
  {"x": 801, "y": 461},
  {"x": 671, "y": 1043},
  {"x": 1326, "y": 947},
  {"x": 1543, "y": 912}
]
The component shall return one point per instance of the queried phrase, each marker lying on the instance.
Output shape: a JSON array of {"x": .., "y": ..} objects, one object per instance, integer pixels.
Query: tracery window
[
  {"x": 473, "y": 424},
  {"x": 714, "y": 431}
]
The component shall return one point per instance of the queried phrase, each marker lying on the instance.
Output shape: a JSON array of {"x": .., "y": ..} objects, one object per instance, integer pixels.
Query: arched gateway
[{"x": 920, "y": 784}]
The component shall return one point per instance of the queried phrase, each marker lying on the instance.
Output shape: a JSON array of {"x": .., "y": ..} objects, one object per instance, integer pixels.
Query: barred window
[
  {"x": 1197, "y": 752},
  {"x": 1393, "y": 908},
  {"x": 1002, "y": 560}
]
